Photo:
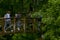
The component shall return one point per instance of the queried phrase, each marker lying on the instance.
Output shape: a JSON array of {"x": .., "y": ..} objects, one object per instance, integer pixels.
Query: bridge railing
[{"x": 28, "y": 25}]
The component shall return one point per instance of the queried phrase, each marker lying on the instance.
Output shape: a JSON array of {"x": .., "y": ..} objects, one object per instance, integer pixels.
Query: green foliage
[
  {"x": 25, "y": 36},
  {"x": 49, "y": 9},
  {"x": 58, "y": 21}
]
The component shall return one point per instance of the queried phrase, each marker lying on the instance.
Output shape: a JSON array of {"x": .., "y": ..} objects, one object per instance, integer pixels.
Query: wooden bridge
[{"x": 29, "y": 25}]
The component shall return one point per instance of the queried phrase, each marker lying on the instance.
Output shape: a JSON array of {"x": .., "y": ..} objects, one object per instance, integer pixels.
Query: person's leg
[
  {"x": 5, "y": 25},
  {"x": 18, "y": 24},
  {"x": 10, "y": 25}
]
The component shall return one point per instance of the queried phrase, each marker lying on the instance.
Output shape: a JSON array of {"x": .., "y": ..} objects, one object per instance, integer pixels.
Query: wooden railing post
[
  {"x": 24, "y": 24},
  {"x": 2, "y": 25},
  {"x": 33, "y": 24},
  {"x": 14, "y": 25}
]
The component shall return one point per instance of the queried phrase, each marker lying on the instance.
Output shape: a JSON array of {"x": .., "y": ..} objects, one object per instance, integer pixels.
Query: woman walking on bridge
[
  {"x": 18, "y": 22},
  {"x": 7, "y": 19}
]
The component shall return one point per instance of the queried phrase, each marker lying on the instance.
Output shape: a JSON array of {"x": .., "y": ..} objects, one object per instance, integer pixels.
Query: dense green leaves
[
  {"x": 25, "y": 36},
  {"x": 48, "y": 9}
]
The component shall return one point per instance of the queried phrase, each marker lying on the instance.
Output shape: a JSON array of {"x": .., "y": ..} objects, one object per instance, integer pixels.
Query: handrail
[{"x": 24, "y": 23}]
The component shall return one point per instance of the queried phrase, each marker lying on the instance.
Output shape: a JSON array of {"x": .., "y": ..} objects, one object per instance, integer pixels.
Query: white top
[{"x": 7, "y": 16}]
